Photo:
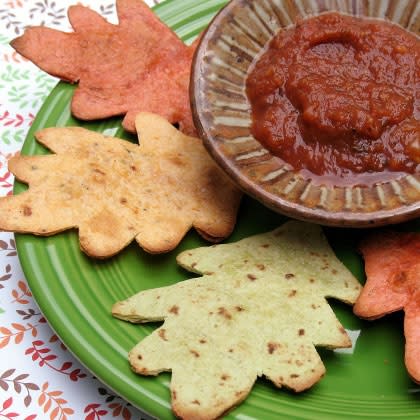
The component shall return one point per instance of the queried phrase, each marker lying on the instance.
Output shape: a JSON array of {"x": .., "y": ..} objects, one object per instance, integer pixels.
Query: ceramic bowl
[{"x": 222, "y": 115}]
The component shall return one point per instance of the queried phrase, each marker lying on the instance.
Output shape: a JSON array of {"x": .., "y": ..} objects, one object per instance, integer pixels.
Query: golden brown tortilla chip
[
  {"x": 392, "y": 265},
  {"x": 138, "y": 65},
  {"x": 114, "y": 191}
]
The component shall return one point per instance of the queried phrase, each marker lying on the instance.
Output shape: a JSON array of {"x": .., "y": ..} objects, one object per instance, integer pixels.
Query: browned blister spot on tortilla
[
  {"x": 272, "y": 347},
  {"x": 174, "y": 310},
  {"x": 224, "y": 313},
  {"x": 162, "y": 334},
  {"x": 27, "y": 211},
  {"x": 195, "y": 353}
]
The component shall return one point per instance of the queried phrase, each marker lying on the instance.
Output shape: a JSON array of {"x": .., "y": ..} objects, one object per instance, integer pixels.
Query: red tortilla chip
[
  {"x": 392, "y": 265},
  {"x": 138, "y": 65}
]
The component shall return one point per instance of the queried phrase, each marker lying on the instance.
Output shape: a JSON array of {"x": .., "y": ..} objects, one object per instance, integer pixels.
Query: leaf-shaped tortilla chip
[
  {"x": 138, "y": 65},
  {"x": 114, "y": 191},
  {"x": 392, "y": 266},
  {"x": 259, "y": 309}
]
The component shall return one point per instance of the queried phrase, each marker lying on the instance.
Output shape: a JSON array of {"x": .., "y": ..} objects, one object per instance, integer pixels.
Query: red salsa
[{"x": 339, "y": 97}]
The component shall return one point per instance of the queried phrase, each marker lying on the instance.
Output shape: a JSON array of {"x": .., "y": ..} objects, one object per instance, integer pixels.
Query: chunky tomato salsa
[{"x": 339, "y": 96}]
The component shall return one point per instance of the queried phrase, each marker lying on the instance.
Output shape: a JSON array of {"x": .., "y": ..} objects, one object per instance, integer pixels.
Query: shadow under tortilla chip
[
  {"x": 138, "y": 65},
  {"x": 114, "y": 191},
  {"x": 392, "y": 265}
]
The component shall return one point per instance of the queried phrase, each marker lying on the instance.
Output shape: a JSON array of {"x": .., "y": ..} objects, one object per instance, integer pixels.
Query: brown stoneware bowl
[{"x": 222, "y": 115}]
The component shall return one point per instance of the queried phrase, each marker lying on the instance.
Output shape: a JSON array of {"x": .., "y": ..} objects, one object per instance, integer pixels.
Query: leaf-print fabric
[{"x": 39, "y": 378}]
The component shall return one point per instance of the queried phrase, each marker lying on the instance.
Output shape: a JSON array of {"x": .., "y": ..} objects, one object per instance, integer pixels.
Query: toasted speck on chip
[
  {"x": 392, "y": 266},
  {"x": 259, "y": 309},
  {"x": 114, "y": 191},
  {"x": 139, "y": 64}
]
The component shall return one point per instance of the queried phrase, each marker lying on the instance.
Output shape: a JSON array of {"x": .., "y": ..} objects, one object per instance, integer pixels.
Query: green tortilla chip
[{"x": 259, "y": 309}]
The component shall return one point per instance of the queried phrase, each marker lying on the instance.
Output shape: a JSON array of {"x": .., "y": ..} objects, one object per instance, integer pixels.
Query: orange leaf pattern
[{"x": 39, "y": 378}]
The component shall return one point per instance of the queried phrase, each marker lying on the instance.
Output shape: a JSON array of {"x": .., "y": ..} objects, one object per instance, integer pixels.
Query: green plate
[{"x": 76, "y": 293}]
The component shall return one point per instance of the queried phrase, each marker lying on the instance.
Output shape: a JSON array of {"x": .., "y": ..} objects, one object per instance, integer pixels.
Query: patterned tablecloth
[{"x": 39, "y": 377}]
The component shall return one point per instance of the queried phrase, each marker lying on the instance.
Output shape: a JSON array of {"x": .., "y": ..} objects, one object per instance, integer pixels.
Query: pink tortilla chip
[
  {"x": 138, "y": 65},
  {"x": 392, "y": 265}
]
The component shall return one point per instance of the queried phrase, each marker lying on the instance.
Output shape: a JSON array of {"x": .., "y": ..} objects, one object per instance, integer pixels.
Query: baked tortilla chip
[
  {"x": 392, "y": 265},
  {"x": 114, "y": 191},
  {"x": 138, "y": 65},
  {"x": 259, "y": 309}
]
